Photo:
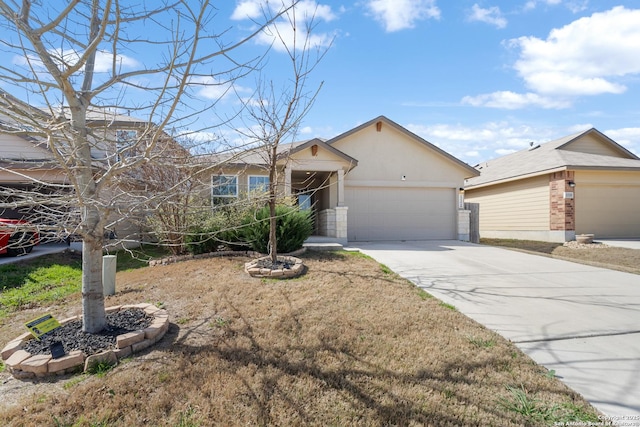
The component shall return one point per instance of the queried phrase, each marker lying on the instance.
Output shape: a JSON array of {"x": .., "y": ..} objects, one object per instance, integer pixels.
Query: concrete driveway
[
  {"x": 581, "y": 321},
  {"x": 39, "y": 251}
]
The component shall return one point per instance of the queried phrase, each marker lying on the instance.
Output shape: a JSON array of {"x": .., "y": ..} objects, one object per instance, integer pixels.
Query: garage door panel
[
  {"x": 608, "y": 211},
  {"x": 388, "y": 213}
]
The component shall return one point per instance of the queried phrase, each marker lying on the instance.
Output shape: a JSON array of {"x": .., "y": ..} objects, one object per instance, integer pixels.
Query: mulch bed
[{"x": 73, "y": 338}]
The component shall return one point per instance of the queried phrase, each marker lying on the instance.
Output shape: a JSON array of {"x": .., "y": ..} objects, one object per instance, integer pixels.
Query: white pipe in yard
[{"x": 109, "y": 274}]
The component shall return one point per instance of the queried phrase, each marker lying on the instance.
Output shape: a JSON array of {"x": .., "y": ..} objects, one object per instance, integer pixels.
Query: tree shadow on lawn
[{"x": 370, "y": 392}]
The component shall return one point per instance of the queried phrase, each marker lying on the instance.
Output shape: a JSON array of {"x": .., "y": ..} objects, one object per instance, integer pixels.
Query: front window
[
  {"x": 224, "y": 186},
  {"x": 259, "y": 184},
  {"x": 125, "y": 141}
]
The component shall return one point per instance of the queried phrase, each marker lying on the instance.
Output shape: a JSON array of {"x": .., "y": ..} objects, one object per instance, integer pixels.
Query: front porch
[
  {"x": 314, "y": 173},
  {"x": 323, "y": 243}
]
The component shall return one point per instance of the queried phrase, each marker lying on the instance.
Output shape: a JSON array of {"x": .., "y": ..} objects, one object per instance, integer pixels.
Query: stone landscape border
[
  {"x": 23, "y": 365},
  {"x": 295, "y": 268}
]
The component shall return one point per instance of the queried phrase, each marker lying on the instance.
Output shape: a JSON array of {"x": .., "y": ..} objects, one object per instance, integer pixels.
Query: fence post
[{"x": 474, "y": 221}]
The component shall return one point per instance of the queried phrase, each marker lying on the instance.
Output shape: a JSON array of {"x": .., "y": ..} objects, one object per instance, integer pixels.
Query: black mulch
[
  {"x": 73, "y": 338},
  {"x": 279, "y": 264}
]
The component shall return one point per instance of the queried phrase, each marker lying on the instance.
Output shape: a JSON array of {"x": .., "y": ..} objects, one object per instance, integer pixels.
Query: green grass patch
[
  {"x": 482, "y": 343},
  {"x": 385, "y": 269},
  {"x": 38, "y": 281},
  {"x": 537, "y": 411},
  {"x": 75, "y": 381},
  {"x": 424, "y": 295},
  {"x": 449, "y": 306},
  {"x": 45, "y": 279},
  {"x": 139, "y": 257},
  {"x": 100, "y": 369},
  {"x": 354, "y": 254}
]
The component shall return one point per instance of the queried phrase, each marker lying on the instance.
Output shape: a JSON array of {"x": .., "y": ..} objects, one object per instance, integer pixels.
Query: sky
[{"x": 477, "y": 78}]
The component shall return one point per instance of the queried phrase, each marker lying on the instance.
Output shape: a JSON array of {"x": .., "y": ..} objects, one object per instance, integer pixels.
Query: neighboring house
[
  {"x": 584, "y": 183},
  {"x": 28, "y": 163},
  {"x": 378, "y": 181}
]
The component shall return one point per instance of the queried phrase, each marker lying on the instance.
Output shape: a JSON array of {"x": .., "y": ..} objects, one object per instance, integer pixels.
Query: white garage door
[
  {"x": 389, "y": 213},
  {"x": 608, "y": 210}
]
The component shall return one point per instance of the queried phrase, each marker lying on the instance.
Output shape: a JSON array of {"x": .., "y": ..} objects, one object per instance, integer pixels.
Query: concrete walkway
[
  {"x": 40, "y": 251},
  {"x": 621, "y": 243},
  {"x": 581, "y": 321}
]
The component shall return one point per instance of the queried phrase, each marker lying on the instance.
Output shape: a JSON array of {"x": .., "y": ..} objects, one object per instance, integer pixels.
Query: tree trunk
[
  {"x": 93, "y": 313},
  {"x": 273, "y": 242},
  {"x": 273, "y": 177}
]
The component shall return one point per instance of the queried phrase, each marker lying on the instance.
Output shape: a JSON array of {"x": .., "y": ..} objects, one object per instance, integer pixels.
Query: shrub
[
  {"x": 293, "y": 227},
  {"x": 219, "y": 228}
]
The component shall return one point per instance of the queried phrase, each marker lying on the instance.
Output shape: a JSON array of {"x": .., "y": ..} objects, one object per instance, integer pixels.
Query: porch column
[
  {"x": 287, "y": 180},
  {"x": 340, "y": 187}
]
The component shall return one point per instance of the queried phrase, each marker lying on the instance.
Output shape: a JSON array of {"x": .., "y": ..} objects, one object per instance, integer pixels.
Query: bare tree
[
  {"x": 76, "y": 61},
  {"x": 274, "y": 116}
]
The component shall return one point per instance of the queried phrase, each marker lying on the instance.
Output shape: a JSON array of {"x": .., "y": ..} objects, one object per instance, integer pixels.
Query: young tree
[
  {"x": 76, "y": 60},
  {"x": 274, "y": 116}
]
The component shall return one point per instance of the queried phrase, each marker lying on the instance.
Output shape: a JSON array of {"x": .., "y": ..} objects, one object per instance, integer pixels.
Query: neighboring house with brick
[
  {"x": 378, "y": 181},
  {"x": 584, "y": 183}
]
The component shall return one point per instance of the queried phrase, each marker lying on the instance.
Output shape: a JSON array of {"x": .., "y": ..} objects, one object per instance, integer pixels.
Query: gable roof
[
  {"x": 418, "y": 139},
  {"x": 553, "y": 156},
  {"x": 319, "y": 142}
]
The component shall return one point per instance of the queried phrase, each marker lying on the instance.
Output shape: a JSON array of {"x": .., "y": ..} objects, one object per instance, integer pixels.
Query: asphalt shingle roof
[{"x": 547, "y": 157}]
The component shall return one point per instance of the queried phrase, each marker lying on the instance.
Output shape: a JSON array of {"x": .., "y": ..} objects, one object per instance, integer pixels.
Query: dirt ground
[{"x": 345, "y": 344}]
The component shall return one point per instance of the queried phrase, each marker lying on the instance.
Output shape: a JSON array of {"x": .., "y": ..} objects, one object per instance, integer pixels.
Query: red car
[{"x": 17, "y": 237}]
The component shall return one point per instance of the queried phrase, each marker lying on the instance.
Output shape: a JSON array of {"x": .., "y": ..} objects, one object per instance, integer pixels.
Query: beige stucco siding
[
  {"x": 324, "y": 160},
  {"x": 608, "y": 203},
  {"x": 520, "y": 205},
  {"x": 385, "y": 157}
]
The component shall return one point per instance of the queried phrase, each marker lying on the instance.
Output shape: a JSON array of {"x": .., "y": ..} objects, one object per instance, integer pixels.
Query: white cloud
[
  {"x": 504, "y": 151},
  {"x": 283, "y": 37},
  {"x": 396, "y": 15},
  {"x": 255, "y": 9},
  {"x": 481, "y": 142},
  {"x": 62, "y": 57},
  {"x": 586, "y": 57},
  {"x": 248, "y": 9},
  {"x": 281, "y": 33},
  {"x": 212, "y": 88},
  {"x": 491, "y": 16},
  {"x": 105, "y": 60},
  {"x": 627, "y": 137},
  {"x": 590, "y": 56},
  {"x": 574, "y": 6},
  {"x": 513, "y": 101}
]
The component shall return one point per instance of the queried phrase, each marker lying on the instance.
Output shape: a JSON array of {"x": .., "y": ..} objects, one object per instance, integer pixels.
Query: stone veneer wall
[{"x": 333, "y": 223}]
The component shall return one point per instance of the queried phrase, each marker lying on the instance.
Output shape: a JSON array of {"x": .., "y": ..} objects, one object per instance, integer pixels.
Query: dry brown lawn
[
  {"x": 347, "y": 344},
  {"x": 622, "y": 259}
]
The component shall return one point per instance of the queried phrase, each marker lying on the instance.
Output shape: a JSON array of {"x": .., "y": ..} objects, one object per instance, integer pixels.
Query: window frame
[
  {"x": 124, "y": 146},
  {"x": 263, "y": 187},
  {"x": 219, "y": 185}
]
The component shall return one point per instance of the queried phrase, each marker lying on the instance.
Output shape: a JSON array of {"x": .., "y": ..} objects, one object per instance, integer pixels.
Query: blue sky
[{"x": 478, "y": 78}]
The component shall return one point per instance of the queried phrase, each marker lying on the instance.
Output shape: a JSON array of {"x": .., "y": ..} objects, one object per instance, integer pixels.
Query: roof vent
[{"x": 533, "y": 146}]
